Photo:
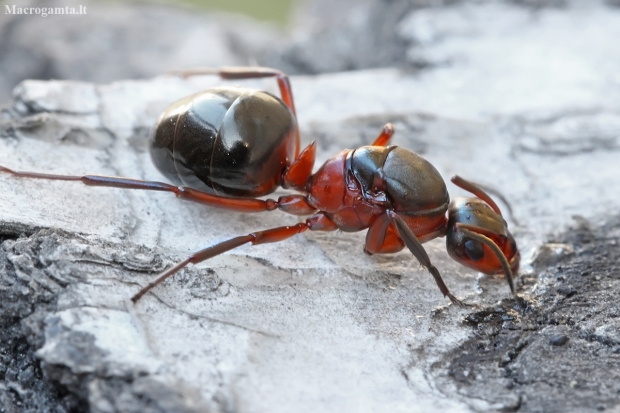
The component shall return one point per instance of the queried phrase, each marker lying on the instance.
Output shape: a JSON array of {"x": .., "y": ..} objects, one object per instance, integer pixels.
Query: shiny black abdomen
[{"x": 229, "y": 141}]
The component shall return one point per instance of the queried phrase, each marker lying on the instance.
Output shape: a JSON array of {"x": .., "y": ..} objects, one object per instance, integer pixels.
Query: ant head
[{"x": 478, "y": 235}]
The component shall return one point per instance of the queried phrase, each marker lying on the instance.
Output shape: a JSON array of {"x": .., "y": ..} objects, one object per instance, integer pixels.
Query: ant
[{"x": 228, "y": 146}]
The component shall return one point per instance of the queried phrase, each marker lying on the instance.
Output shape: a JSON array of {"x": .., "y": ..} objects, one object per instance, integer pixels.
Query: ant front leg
[
  {"x": 292, "y": 204},
  {"x": 318, "y": 222},
  {"x": 416, "y": 248}
]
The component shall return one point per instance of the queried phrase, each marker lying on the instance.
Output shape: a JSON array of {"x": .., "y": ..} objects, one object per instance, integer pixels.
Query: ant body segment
[{"x": 224, "y": 147}]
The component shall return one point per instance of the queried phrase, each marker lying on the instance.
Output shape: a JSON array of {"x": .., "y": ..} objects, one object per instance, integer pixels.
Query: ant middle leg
[
  {"x": 297, "y": 175},
  {"x": 384, "y": 137},
  {"x": 317, "y": 222}
]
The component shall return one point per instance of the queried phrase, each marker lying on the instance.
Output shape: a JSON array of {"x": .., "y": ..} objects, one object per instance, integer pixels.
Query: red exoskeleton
[{"x": 228, "y": 146}]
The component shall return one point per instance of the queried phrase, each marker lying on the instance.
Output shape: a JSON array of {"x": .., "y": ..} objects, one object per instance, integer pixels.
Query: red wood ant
[{"x": 231, "y": 145}]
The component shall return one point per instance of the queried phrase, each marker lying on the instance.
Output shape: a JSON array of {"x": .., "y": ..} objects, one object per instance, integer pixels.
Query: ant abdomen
[{"x": 229, "y": 141}]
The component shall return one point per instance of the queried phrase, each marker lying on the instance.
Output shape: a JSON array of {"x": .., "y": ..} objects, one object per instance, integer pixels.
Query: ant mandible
[{"x": 231, "y": 145}]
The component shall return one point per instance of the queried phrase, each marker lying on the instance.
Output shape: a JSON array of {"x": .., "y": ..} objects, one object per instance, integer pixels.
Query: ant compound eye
[{"x": 474, "y": 250}]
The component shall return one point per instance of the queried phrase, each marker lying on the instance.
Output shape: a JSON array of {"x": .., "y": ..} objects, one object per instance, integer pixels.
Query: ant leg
[
  {"x": 296, "y": 176},
  {"x": 382, "y": 237},
  {"x": 253, "y": 73},
  {"x": 293, "y": 204},
  {"x": 414, "y": 245},
  {"x": 386, "y": 134},
  {"x": 248, "y": 73},
  {"x": 316, "y": 222}
]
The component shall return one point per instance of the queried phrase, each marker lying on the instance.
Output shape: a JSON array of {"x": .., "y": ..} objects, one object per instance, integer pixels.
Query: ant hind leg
[{"x": 284, "y": 84}]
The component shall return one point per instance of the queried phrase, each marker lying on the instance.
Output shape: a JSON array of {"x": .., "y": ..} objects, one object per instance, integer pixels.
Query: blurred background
[
  {"x": 126, "y": 40},
  {"x": 274, "y": 11}
]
